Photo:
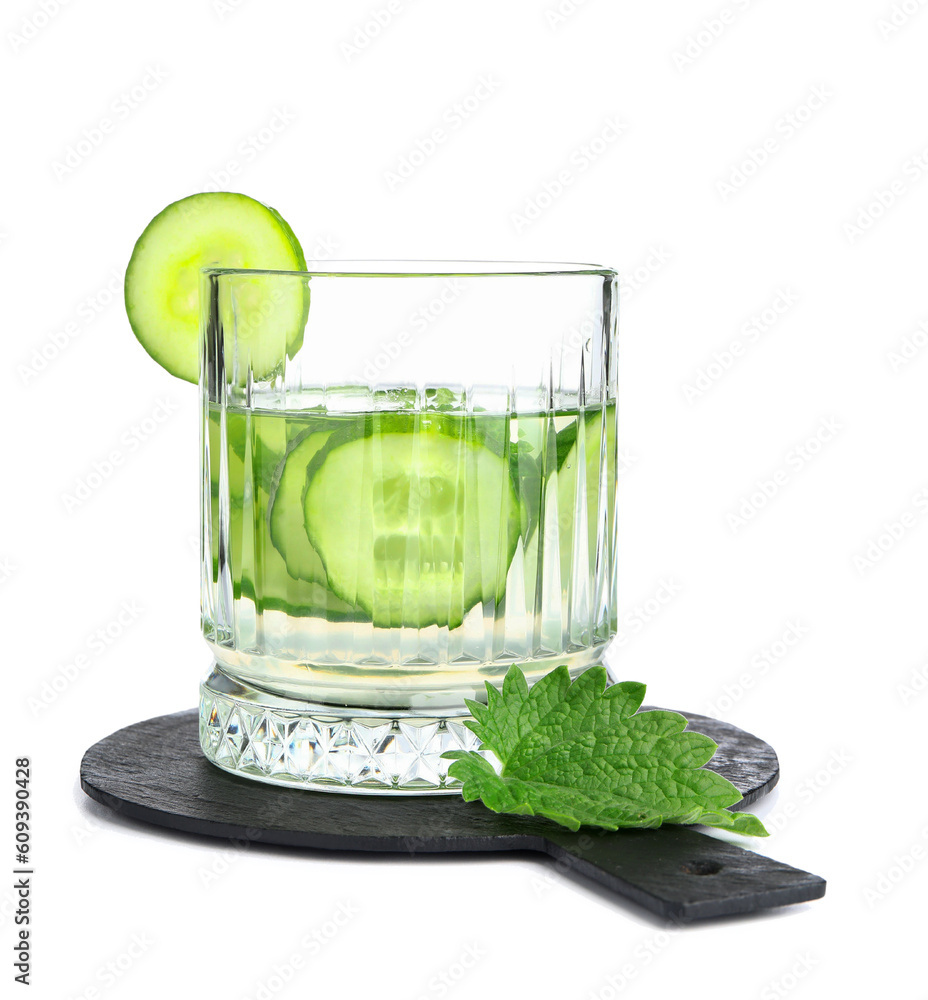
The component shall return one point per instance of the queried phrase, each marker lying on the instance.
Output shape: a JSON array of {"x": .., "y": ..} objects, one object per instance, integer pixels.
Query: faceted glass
[{"x": 408, "y": 484}]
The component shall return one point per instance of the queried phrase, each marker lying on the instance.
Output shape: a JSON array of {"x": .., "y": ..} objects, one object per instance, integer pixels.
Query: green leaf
[{"x": 582, "y": 754}]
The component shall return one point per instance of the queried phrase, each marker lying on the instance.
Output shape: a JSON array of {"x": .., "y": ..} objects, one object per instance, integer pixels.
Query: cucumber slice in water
[
  {"x": 312, "y": 600},
  {"x": 221, "y": 229},
  {"x": 415, "y": 528},
  {"x": 263, "y": 460},
  {"x": 258, "y": 570},
  {"x": 276, "y": 589},
  {"x": 285, "y": 516}
]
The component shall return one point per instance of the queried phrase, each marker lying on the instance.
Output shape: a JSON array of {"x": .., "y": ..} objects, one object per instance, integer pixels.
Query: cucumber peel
[
  {"x": 220, "y": 229},
  {"x": 392, "y": 513},
  {"x": 285, "y": 515}
]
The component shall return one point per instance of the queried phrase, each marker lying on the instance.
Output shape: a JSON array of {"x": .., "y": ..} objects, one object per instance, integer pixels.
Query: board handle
[{"x": 681, "y": 874}]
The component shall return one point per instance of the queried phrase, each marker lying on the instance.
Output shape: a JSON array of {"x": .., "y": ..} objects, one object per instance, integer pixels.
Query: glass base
[{"x": 288, "y": 742}]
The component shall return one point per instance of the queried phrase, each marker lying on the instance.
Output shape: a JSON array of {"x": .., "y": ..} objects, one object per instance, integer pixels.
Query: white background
[{"x": 709, "y": 233}]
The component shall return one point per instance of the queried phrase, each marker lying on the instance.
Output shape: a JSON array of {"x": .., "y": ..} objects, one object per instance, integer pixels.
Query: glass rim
[{"x": 426, "y": 269}]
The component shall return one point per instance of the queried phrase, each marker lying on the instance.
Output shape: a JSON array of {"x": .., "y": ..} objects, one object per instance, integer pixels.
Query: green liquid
[{"x": 486, "y": 539}]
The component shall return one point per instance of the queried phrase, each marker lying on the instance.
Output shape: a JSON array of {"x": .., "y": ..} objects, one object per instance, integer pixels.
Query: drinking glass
[{"x": 408, "y": 484}]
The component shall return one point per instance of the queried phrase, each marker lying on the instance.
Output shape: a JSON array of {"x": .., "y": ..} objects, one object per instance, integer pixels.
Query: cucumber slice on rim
[
  {"x": 219, "y": 229},
  {"x": 414, "y": 527}
]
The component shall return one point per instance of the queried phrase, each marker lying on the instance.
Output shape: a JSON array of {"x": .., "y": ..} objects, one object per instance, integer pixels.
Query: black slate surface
[{"x": 155, "y": 772}]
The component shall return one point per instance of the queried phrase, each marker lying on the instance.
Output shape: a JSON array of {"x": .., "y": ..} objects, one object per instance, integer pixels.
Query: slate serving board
[{"x": 155, "y": 772}]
